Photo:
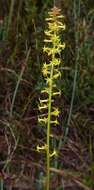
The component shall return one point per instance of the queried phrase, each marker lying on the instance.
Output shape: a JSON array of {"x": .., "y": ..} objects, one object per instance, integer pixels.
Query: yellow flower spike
[
  {"x": 54, "y": 153},
  {"x": 50, "y": 71}
]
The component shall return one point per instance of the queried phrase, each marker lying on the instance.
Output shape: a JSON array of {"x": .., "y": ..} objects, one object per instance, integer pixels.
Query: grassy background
[{"x": 21, "y": 40}]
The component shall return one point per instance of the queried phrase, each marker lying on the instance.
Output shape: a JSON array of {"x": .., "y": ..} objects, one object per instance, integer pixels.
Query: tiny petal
[
  {"x": 43, "y": 107},
  {"x": 62, "y": 46},
  {"x": 56, "y": 112},
  {"x": 56, "y": 93},
  {"x": 47, "y": 40},
  {"x": 54, "y": 153},
  {"x": 39, "y": 148},
  {"x": 43, "y": 120},
  {"x": 55, "y": 122}
]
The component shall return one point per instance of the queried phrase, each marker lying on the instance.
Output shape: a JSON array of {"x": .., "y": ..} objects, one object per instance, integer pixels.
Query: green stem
[
  {"x": 48, "y": 130},
  {"x": 18, "y": 83},
  {"x": 49, "y": 120}
]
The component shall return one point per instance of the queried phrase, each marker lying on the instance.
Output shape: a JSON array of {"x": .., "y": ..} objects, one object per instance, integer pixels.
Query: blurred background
[{"x": 22, "y": 24}]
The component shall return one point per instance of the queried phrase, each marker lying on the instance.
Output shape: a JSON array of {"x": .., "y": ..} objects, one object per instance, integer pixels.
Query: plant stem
[
  {"x": 48, "y": 129},
  {"x": 49, "y": 120},
  {"x": 18, "y": 82}
]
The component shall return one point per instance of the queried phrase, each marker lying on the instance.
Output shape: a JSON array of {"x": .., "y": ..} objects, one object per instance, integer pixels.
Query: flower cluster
[{"x": 50, "y": 71}]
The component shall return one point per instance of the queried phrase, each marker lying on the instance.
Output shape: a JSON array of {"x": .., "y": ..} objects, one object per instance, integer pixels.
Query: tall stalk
[
  {"x": 51, "y": 73},
  {"x": 48, "y": 130},
  {"x": 49, "y": 124}
]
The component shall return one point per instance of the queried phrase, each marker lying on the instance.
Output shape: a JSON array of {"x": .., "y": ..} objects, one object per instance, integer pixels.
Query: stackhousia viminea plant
[{"x": 48, "y": 111}]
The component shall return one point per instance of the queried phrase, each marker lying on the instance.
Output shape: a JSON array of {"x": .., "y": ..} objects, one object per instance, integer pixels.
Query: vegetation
[{"x": 46, "y": 94}]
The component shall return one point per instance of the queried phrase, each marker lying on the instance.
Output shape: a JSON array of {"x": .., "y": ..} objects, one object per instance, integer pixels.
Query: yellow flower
[
  {"x": 45, "y": 70},
  {"x": 49, "y": 81},
  {"x": 54, "y": 153},
  {"x": 62, "y": 26},
  {"x": 58, "y": 74},
  {"x": 39, "y": 148},
  {"x": 62, "y": 46},
  {"x": 55, "y": 122},
  {"x": 57, "y": 93},
  {"x": 56, "y": 62},
  {"x": 43, "y": 120},
  {"x": 46, "y": 49},
  {"x": 43, "y": 107},
  {"x": 56, "y": 112}
]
